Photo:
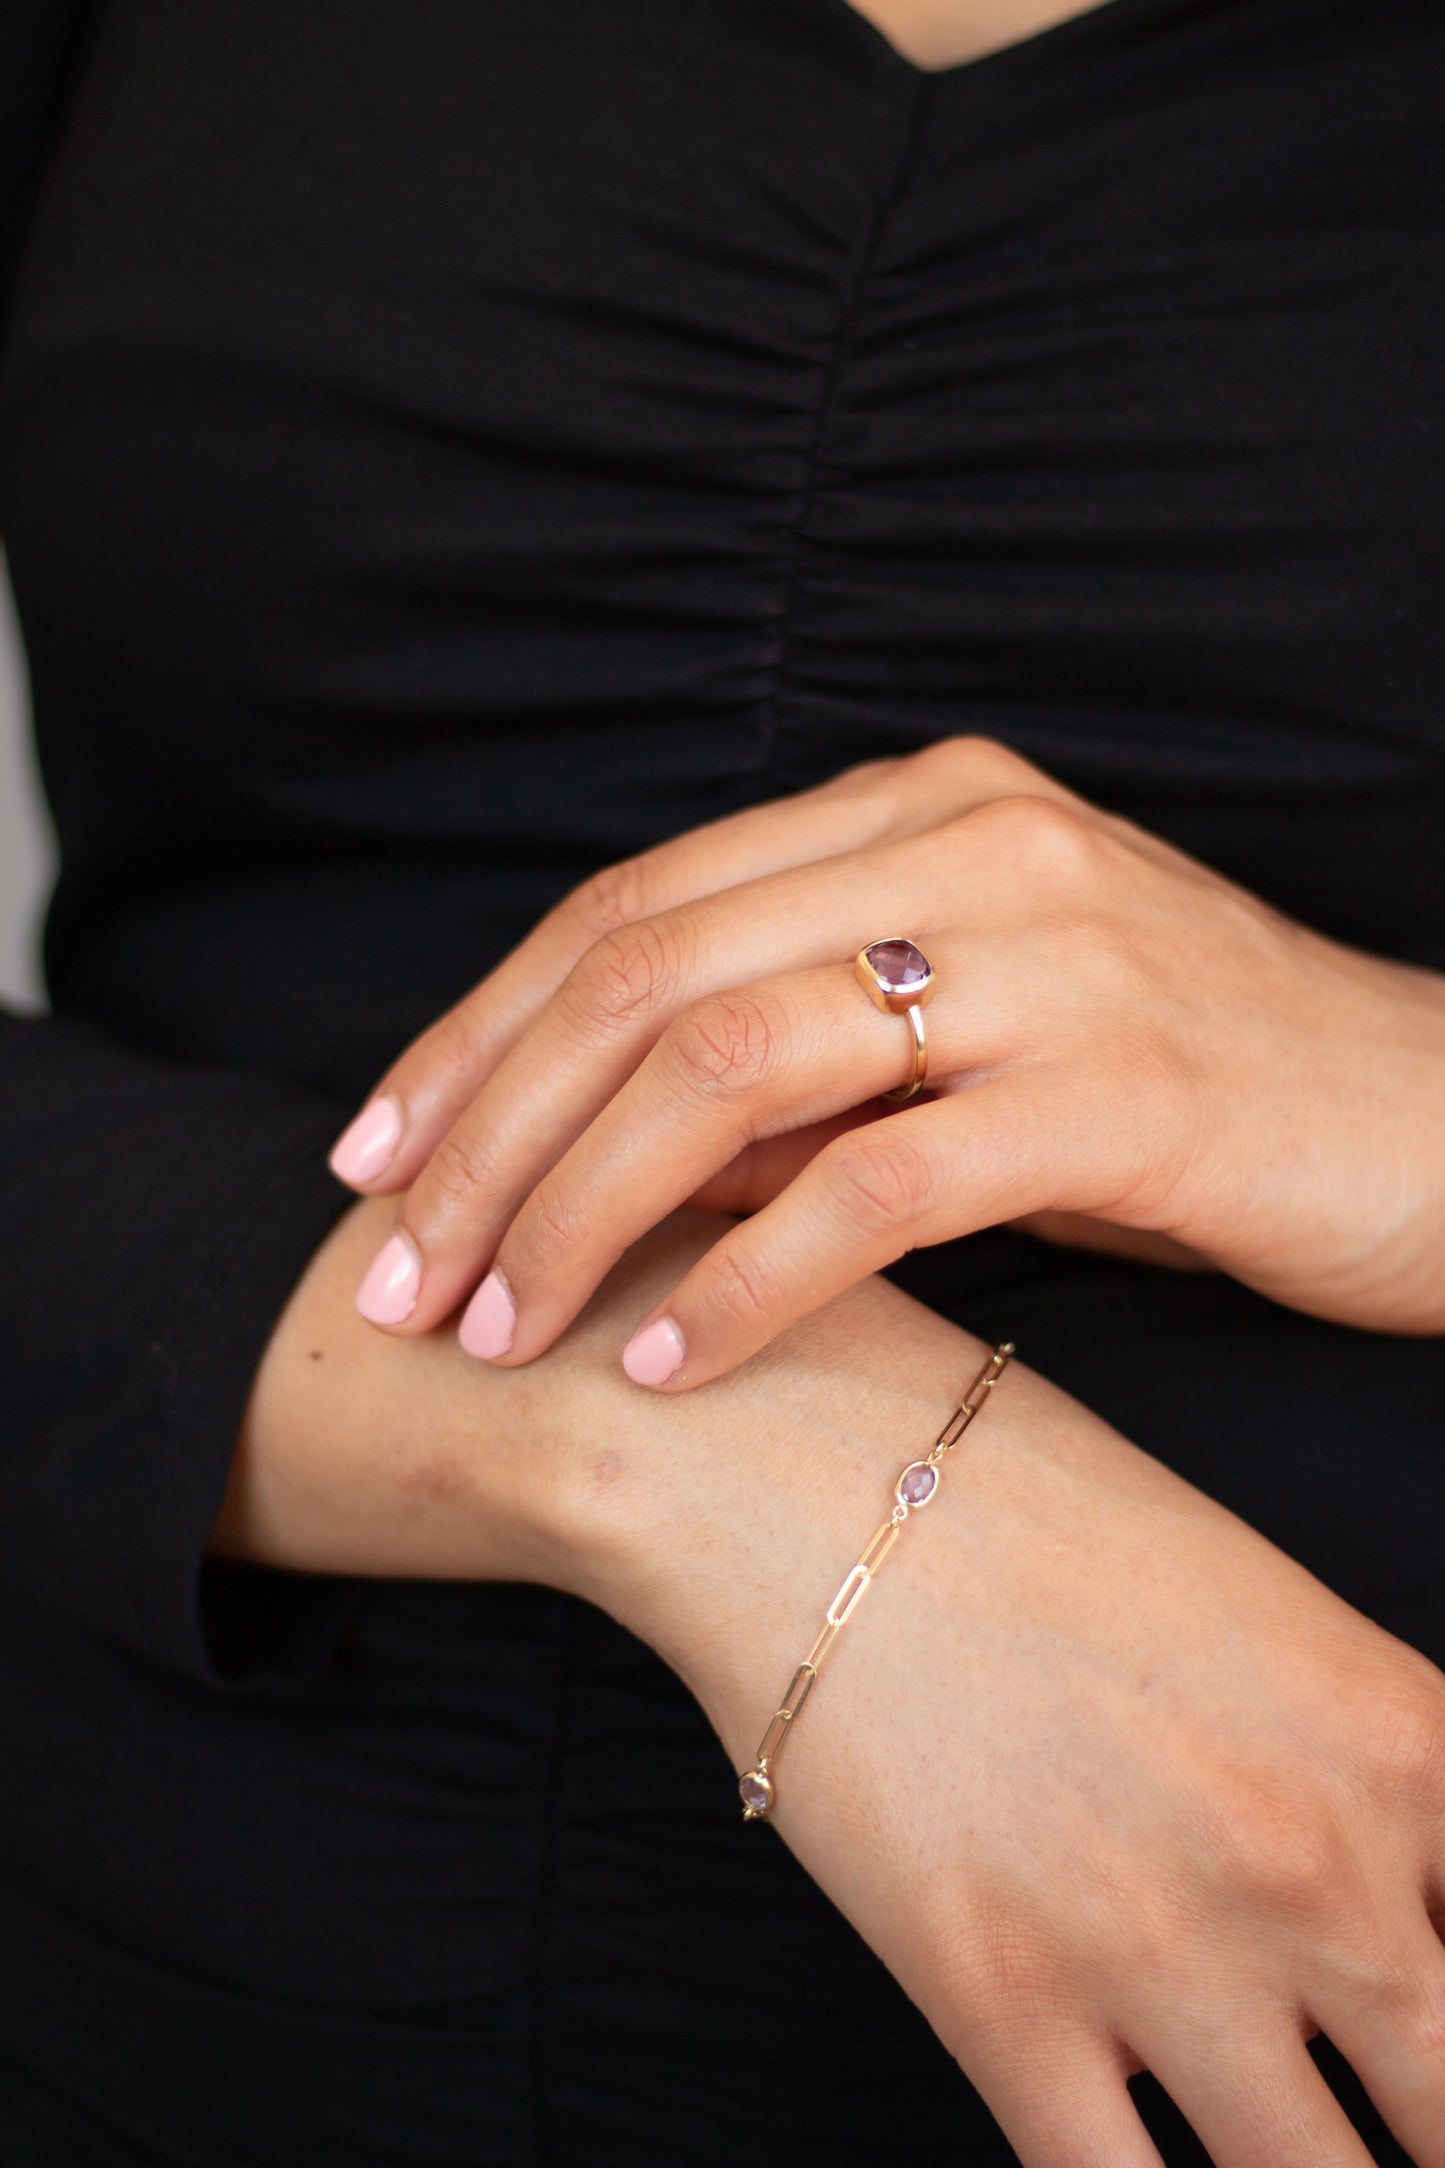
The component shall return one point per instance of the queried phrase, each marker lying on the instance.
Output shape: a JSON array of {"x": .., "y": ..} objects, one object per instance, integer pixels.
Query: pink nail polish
[
  {"x": 653, "y": 1355},
  {"x": 489, "y": 1321},
  {"x": 393, "y": 1282},
  {"x": 368, "y": 1147}
]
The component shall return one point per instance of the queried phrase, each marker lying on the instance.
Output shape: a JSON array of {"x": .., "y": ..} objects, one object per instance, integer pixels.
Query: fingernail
[
  {"x": 489, "y": 1319},
  {"x": 652, "y": 1355},
  {"x": 368, "y": 1147},
  {"x": 392, "y": 1284}
]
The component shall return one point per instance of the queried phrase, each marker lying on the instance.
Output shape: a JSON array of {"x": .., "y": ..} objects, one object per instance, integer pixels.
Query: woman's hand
[
  {"x": 1107, "y": 1781},
  {"x": 1124, "y": 1048}
]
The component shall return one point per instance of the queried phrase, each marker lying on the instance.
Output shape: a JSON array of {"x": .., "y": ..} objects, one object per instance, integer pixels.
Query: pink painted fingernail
[
  {"x": 653, "y": 1355},
  {"x": 489, "y": 1320},
  {"x": 367, "y": 1148},
  {"x": 392, "y": 1284}
]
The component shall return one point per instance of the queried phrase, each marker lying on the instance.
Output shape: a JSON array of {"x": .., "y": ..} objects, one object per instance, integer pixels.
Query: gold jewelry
[
  {"x": 915, "y": 1486},
  {"x": 897, "y": 976}
]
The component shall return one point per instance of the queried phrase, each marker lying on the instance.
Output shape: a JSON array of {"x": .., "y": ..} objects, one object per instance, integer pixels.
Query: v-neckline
[{"x": 1087, "y": 21}]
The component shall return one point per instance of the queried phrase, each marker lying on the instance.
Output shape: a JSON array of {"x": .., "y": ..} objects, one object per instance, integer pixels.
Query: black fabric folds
[{"x": 444, "y": 448}]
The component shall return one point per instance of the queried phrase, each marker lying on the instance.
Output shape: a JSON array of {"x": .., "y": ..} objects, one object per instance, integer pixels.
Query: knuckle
[
  {"x": 1381, "y": 1976},
  {"x": 1052, "y": 846},
  {"x": 727, "y": 1043},
  {"x": 614, "y": 897},
  {"x": 463, "y": 1169},
  {"x": 453, "y": 1048},
  {"x": 980, "y": 761},
  {"x": 863, "y": 776},
  {"x": 881, "y": 792},
  {"x": 885, "y": 1181},
  {"x": 1422, "y": 2020},
  {"x": 1402, "y": 1739},
  {"x": 624, "y": 976},
  {"x": 551, "y": 1226},
  {"x": 1371, "y": 1971},
  {"x": 1286, "y": 1855},
  {"x": 741, "y": 1290}
]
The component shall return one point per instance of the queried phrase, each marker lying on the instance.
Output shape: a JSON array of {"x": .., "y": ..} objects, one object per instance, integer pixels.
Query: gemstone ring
[{"x": 897, "y": 976}]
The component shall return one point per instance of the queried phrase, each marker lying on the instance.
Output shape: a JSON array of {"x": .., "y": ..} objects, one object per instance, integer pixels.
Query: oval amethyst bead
[
  {"x": 755, "y": 1791},
  {"x": 917, "y": 1483}
]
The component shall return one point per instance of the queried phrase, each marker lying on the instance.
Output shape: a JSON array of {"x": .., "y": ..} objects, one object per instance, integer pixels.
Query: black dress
[{"x": 443, "y": 448}]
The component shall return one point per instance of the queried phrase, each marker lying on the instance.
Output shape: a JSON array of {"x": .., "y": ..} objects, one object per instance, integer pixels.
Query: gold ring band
[{"x": 897, "y": 976}]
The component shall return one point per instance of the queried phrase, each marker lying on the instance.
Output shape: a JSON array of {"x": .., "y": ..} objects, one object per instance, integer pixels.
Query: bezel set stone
[
  {"x": 755, "y": 1789},
  {"x": 895, "y": 974},
  {"x": 925, "y": 1490},
  {"x": 917, "y": 1483}
]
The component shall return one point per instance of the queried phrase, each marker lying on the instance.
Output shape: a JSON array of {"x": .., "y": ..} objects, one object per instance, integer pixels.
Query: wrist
[
  {"x": 717, "y": 1524},
  {"x": 713, "y": 1524}
]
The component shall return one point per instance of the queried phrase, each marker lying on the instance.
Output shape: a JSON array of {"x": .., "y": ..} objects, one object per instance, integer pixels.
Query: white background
[{"x": 27, "y": 855}]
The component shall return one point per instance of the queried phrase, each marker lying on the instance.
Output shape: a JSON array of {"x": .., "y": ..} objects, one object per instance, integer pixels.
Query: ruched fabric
[{"x": 443, "y": 449}]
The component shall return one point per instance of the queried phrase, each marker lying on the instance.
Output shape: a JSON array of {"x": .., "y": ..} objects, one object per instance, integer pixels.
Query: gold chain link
[{"x": 756, "y": 1784}]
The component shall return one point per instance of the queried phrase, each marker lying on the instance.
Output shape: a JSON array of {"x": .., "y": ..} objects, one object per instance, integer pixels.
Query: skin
[
  {"x": 1085, "y": 1661},
  {"x": 1124, "y": 1048},
  {"x": 938, "y": 34},
  {"x": 1108, "y": 1781}
]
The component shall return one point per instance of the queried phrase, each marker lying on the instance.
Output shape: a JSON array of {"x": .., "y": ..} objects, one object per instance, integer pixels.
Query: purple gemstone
[
  {"x": 898, "y": 964},
  {"x": 755, "y": 1792},
  {"x": 917, "y": 1483}
]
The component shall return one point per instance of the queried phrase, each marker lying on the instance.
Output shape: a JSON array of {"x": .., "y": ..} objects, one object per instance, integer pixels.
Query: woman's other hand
[
  {"x": 1107, "y": 1780},
  {"x": 1124, "y": 1049}
]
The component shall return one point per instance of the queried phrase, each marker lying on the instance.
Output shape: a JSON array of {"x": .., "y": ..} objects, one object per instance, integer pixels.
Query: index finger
[{"x": 423, "y": 1092}]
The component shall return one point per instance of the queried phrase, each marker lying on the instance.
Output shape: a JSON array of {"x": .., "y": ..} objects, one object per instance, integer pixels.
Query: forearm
[{"x": 363, "y": 1455}]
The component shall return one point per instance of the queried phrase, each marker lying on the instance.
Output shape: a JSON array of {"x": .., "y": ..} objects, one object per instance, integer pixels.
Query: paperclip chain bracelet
[{"x": 913, "y": 1490}]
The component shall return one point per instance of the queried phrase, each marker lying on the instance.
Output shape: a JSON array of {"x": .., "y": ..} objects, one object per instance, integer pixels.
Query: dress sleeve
[
  {"x": 154, "y": 1219},
  {"x": 40, "y": 46}
]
